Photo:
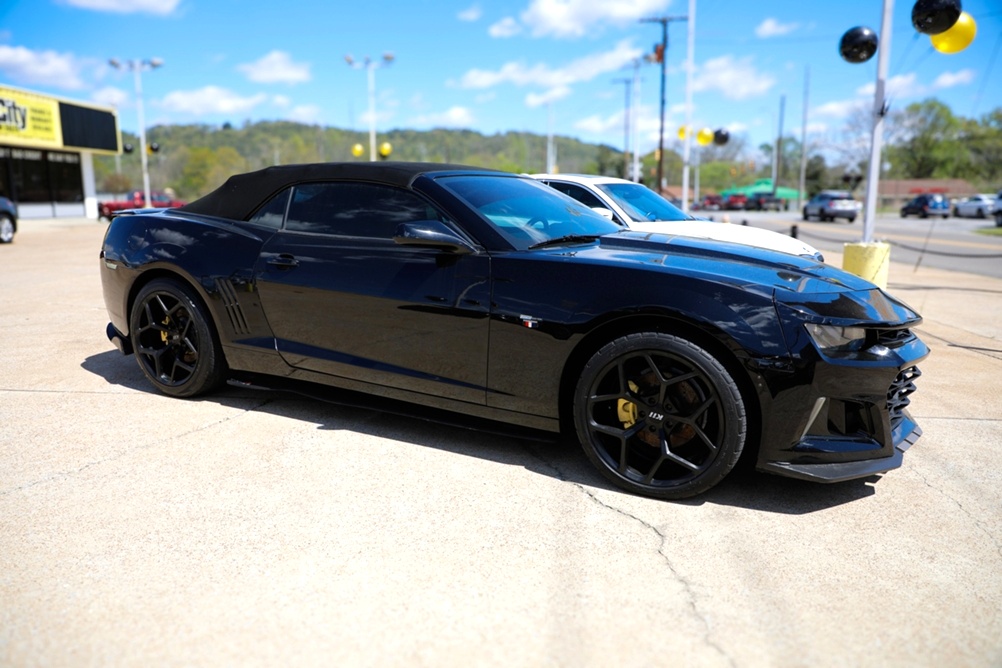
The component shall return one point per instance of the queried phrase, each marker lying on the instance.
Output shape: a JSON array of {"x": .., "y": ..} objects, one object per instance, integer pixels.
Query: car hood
[{"x": 738, "y": 234}]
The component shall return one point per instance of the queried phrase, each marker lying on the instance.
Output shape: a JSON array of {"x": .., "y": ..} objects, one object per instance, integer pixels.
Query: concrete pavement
[{"x": 265, "y": 529}]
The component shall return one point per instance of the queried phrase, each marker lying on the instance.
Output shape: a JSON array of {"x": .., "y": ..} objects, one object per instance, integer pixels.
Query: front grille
[{"x": 899, "y": 393}]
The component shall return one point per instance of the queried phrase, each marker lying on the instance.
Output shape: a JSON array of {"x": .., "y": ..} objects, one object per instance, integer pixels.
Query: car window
[
  {"x": 526, "y": 212},
  {"x": 641, "y": 203},
  {"x": 354, "y": 209},
  {"x": 272, "y": 213},
  {"x": 579, "y": 193}
]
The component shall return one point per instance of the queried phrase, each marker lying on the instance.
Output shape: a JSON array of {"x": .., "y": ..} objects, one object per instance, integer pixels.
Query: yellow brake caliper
[
  {"x": 163, "y": 334},
  {"x": 626, "y": 410}
]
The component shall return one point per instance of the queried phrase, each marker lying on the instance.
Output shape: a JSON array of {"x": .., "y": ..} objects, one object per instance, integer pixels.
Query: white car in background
[
  {"x": 639, "y": 208},
  {"x": 975, "y": 206}
]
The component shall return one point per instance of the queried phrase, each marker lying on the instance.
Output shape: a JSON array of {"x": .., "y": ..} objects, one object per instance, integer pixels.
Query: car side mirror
[{"x": 432, "y": 234}]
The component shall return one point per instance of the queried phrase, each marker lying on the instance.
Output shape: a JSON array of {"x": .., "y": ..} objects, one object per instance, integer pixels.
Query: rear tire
[
  {"x": 659, "y": 416},
  {"x": 174, "y": 340}
]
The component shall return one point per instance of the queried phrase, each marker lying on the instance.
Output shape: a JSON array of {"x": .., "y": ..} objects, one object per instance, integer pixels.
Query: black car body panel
[{"x": 493, "y": 330}]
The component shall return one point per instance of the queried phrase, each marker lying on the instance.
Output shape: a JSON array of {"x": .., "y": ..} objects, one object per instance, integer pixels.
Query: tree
[{"x": 925, "y": 142}]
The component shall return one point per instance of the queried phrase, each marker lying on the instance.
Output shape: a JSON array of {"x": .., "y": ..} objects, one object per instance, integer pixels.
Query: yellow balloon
[
  {"x": 357, "y": 150},
  {"x": 682, "y": 131},
  {"x": 385, "y": 149},
  {"x": 957, "y": 38},
  {"x": 704, "y": 137}
]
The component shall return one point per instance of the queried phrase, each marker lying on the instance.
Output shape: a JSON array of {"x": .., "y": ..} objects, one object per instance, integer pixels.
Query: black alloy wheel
[
  {"x": 173, "y": 339},
  {"x": 659, "y": 416}
]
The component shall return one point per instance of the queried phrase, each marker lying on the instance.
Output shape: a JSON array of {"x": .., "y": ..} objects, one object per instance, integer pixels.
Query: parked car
[
  {"x": 711, "y": 203},
  {"x": 637, "y": 207},
  {"x": 764, "y": 202},
  {"x": 929, "y": 204},
  {"x": 832, "y": 204},
  {"x": 494, "y": 296},
  {"x": 997, "y": 212},
  {"x": 136, "y": 200},
  {"x": 736, "y": 201},
  {"x": 8, "y": 220},
  {"x": 975, "y": 206}
]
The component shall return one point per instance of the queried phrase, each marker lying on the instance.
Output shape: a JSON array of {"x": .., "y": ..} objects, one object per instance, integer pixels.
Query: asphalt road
[
  {"x": 950, "y": 243},
  {"x": 264, "y": 529}
]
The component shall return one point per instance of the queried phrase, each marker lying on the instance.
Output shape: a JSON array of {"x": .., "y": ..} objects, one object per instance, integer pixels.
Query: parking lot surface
[{"x": 257, "y": 528}]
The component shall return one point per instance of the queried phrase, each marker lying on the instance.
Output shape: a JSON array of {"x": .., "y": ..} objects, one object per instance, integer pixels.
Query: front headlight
[{"x": 837, "y": 339}]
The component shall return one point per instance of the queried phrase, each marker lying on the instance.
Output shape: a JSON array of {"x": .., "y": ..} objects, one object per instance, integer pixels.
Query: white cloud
[
  {"x": 950, "y": 79},
  {"x": 735, "y": 79},
  {"x": 902, "y": 85},
  {"x": 582, "y": 69},
  {"x": 210, "y": 100},
  {"x": 506, "y": 27},
  {"x": 577, "y": 18},
  {"x": 281, "y": 101},
  {"x": 40, "y": 68},
  {"x": 306, "y": 113},
  {"x": 533, "y": 100},
  {"x": 115, "y": 97},
  {"x": 838, "y": 109},
  {"x": 773, "y": 28},
  {"x": 453, "y": 117},
  {"x": 470, "y": 14},
  {"x": 276, "y": 67},
  {"x": 162, "y": 7}
]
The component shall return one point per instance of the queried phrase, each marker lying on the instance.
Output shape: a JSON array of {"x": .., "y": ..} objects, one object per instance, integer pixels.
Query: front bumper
[{"x": 849, "y": 417}]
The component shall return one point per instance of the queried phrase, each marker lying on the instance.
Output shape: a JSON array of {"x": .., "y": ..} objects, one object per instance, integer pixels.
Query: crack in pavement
[
  {"x": 972, "y": 517},
  {"x": 686, "y": 585},
  {"x": 122, "y": 453}
]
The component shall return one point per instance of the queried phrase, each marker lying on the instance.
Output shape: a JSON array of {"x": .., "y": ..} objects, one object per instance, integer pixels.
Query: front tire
[
  {"x": 174, "y": 340},
  {"x": 6, "y": 229},
  {"x": 659, "y": 416}
]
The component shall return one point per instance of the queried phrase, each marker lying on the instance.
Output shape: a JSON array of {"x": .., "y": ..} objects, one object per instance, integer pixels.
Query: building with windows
[{"x": 47, "y": 146}]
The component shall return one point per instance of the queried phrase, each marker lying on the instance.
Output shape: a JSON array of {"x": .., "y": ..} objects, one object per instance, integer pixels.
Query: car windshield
[
  {"x": 641, "y": 203},
  {"x": 526, "y": 212}
]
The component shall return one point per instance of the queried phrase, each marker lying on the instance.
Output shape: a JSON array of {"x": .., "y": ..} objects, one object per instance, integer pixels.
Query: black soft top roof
[{"x": 243, "y": 193}]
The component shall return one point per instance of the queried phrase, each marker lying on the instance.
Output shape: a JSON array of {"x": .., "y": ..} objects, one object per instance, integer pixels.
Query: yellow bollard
[{"x": 869, "y": 261}]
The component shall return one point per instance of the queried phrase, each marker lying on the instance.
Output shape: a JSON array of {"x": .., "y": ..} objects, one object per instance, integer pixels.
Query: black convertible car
[{"x": 492, "y": 295}]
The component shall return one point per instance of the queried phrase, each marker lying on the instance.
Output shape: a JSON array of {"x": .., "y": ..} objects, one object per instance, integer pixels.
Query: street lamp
[
  {"x": 137, "y": 66},
  {"x": 370, "y": 66}
]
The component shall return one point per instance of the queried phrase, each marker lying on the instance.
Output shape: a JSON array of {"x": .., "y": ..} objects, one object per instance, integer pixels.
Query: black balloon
[
  {"x": 933, "y": 17},
  {"x": 720, "y": 137},
  {"x": 858, "y": 45}
]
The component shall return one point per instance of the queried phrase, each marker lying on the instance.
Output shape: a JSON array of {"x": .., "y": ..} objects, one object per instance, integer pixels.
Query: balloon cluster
[
  {"x": 705, "y": 136},
  {"x": 950, "y": 29}
]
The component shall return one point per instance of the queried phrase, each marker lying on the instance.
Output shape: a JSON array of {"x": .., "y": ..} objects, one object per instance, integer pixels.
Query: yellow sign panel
[{"x": 26, "y": 118}]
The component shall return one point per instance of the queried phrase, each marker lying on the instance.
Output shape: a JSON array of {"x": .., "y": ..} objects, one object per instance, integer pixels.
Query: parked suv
[
  {"x": 832, "y": 204},
  {"x": 929, "y": 204}
]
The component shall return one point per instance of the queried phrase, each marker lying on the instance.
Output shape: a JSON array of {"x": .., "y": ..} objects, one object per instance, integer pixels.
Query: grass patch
[{"x": 990, "y": 231}]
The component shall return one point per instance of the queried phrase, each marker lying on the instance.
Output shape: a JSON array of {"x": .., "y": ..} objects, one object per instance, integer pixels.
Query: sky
[{"x": 491, "y": 66}]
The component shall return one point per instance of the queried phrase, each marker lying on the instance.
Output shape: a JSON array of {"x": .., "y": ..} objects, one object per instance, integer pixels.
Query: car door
[{"x": 343, "y": 299}]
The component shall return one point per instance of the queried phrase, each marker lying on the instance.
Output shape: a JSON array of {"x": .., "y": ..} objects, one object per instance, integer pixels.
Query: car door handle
[{"x": 284, "y": 261}]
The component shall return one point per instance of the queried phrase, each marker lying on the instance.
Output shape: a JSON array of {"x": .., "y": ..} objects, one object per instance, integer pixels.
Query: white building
[{"x": 47, "y": 146}]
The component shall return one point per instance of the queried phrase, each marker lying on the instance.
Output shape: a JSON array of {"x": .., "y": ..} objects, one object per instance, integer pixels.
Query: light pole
[
  {"x": 137, "y": 66},
  {"x": 370, "y": 66},
  {"x": 627, "y": 112}
]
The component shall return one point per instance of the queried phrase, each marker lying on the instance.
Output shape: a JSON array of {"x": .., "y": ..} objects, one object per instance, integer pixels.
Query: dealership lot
[{"x": 259, "y": 528}]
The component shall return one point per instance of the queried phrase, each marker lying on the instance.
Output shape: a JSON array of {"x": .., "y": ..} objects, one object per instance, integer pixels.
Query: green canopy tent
[{"x": 763, "y": 186}]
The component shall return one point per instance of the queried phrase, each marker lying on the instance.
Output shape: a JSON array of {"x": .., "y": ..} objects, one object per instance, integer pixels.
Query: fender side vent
[{"x": 233, "y": 309}]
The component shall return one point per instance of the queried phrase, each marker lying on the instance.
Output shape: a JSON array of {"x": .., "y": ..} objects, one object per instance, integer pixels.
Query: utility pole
[{"x": 662, "y": 57}]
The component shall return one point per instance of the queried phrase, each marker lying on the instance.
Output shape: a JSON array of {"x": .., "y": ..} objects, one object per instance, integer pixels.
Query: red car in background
[
  {"x": 736, "y": 201},
  {"x": 135, "y": 200}
]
